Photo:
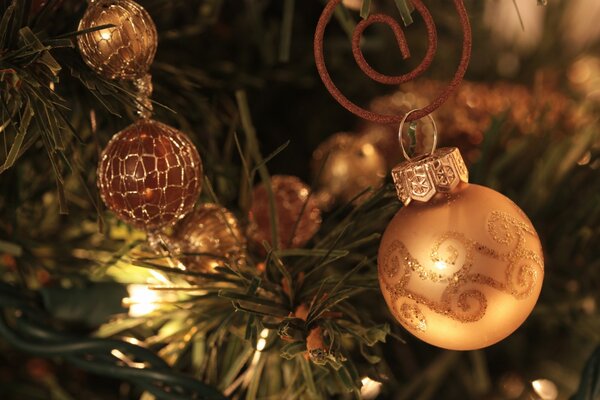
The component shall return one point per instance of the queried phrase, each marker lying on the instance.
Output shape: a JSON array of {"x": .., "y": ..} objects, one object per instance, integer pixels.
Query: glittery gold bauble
[
  {"x": 297, "y": 223},
  {"x": 461, "y": 266},
  {"x": 150, "y": 175},
  {"x": 584, "y": 77},
  {"x": 124, "y": 51},
  {"x": 468, "y": 113},
  {"x": 211, "y": 237},
  {"x": 346, "y": 165}
]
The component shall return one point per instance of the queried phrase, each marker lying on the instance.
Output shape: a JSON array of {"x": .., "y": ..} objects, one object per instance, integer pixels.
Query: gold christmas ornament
[
  {"x": 584, "y": 77},
  {"x": 298, "y": 216},
  {"x": 468, "y": 113},
  {"x": 460, "y": 266},
  {"x": 213, "y": 233},
  {"x": 352, "y": 4},
  {"x": 124, "y": 51},
  {"x": 150, "y": 175},
  {"x": 345, "y": 165}
]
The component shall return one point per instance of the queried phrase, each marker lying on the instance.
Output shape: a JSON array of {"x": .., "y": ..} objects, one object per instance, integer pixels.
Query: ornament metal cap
[{"x": 421, "y": 178}]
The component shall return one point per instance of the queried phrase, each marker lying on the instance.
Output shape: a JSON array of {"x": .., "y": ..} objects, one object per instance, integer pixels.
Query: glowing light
[
  {"x": 160, "y": 277},
  {"x": 141, "y": 301},
  {"x": 545, "y": 389},
  {"x": 262, "y": 341},
  {"x": 368, "y": 149},
  {"x": 441, "y": 265},
  {"x": 105, "y": 34},
  {"x": 370, "y": 389}
]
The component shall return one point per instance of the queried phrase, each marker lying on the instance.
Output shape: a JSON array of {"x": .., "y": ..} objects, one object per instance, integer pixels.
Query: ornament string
[{"x": 404, "y": 49}]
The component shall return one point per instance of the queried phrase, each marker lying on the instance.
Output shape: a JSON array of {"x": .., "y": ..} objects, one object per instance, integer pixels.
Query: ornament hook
[
  {"x": 401, "y": 128},
  {"x": 324, "y": 19}
]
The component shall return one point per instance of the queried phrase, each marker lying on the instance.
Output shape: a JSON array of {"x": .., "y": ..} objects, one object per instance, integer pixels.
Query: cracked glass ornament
[
  {"x": 297, "y": 223},
  {"x": 211, "y": 232},
  {"x": 124, "y": 51},
  {"x": 460, "y": 265},
  {"x": 150, "y": 175}
]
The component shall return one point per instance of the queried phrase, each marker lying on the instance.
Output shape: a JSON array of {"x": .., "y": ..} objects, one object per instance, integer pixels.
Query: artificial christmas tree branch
[{"x": 314, "y": 312}]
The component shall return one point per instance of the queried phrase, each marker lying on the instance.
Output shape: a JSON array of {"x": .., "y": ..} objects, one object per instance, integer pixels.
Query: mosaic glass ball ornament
[
  {"x": 124, "y": 51},
  {"x": 345, "y": 165},
  {"x": 150, "y": 175},
  {"x": 460, "y": 266},
  {"x": 297, "y": 223},
  {"x": 213, "y": 233}
]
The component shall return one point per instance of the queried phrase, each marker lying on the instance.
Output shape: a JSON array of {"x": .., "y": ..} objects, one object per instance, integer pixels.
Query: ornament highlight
[
  {"x": 460, "y": 266},
  {"x": 346, "y": 165},
  {"x": 297, "y": 222},
  {"x": 214, "y": 233},
  {"x": 150, "y": 175},
  {"x": 124, "y": 51}
]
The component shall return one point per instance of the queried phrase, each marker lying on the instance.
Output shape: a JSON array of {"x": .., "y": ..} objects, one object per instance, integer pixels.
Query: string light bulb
[{"x": 141, "y": 301}]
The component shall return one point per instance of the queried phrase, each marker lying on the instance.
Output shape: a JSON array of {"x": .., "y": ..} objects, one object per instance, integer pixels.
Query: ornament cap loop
[
  {"x": 422, "y": 177},
  {"x": 401, "y": 128}
]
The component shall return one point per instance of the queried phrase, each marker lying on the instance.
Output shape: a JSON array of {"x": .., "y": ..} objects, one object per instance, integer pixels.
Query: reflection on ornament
[
  {"x": 124, "y": 51},
  {"x": 461, "y": 266},
  {"x": 346, "y": 165},
  {"x": 212, "y": 234},
  {"x": 150, "y": 175},
  {"x": 298, "y": 216}
]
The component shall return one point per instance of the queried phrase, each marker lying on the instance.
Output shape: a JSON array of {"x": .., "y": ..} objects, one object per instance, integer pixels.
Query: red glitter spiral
[{"x": 404, "y": 49}]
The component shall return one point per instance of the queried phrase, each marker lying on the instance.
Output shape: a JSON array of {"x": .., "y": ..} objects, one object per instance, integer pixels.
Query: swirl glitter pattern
[
  {"x": 460, "y": 300},
  {"x": 150, "y": 175}
]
